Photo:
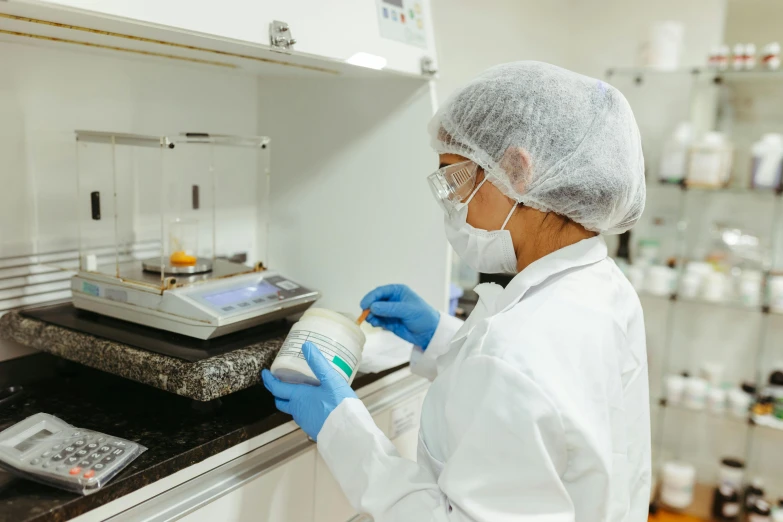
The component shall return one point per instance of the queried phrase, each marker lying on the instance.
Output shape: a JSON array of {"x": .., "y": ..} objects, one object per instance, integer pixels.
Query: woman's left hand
[{"x": 310, "y": 405}]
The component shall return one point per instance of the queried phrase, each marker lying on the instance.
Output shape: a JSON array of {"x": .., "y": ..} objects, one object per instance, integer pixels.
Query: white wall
[
  {"x": 472, "y": 36},
  {"x": 351, "y": 209}
]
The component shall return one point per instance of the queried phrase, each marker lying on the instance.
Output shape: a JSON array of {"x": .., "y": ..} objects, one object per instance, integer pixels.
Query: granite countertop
[
  {"x": 176, "y": 435},
  {"x": 202, "y": 380}
]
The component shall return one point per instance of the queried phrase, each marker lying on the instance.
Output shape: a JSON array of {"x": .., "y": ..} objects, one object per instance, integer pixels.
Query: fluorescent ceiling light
[{"x": 368, "y": 60}]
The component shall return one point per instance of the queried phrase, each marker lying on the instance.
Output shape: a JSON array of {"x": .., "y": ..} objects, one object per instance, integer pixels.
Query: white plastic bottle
[
  {"x": 722, "y": 58},
  {"x": 675, "y": 154},
  {"x": 770, "y": 56},
  {"x": 738, "y": 60},
  {"x": 767, "y": 162},
  {"x": 750, "y": 57}
]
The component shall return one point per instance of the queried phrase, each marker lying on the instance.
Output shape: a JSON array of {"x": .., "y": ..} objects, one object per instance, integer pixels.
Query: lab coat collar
[{"x": 583, "y": 253}]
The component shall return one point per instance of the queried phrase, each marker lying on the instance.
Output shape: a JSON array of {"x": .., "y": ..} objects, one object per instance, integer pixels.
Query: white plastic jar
[
  {"x": 340, "y": 340},
  {"x": 677, "y": 484}
]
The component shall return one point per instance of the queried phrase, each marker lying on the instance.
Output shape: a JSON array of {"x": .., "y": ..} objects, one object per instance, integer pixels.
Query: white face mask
[{"x": 489, "y": 252}]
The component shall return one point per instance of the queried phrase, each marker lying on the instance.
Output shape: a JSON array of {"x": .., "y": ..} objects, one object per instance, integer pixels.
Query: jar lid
[
  {"x": 733, "y": 463},
  {"x": 776, "y": 378}
]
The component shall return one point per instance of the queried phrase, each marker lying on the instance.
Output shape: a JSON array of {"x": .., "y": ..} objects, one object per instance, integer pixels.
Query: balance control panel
[
  {"x": 403, "y": 21},
  {"x": 248, "y": 295}
]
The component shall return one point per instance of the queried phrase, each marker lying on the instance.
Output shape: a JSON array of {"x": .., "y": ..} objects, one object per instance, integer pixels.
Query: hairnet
[{"x": 552, "y": 139}]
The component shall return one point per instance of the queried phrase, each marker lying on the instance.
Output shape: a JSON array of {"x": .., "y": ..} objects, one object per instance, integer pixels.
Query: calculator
[{"x": 46, "y": 449}]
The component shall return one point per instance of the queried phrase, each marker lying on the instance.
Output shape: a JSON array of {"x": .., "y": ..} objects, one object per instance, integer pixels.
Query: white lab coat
[{"x": 538, "y": 410}]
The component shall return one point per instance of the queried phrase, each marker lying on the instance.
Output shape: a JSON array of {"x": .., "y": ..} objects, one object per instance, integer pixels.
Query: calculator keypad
[{"x": 84, "y": 454}]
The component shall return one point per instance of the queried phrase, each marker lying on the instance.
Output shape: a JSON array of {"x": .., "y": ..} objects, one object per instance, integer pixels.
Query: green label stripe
[{"x": 342, "y": 365}]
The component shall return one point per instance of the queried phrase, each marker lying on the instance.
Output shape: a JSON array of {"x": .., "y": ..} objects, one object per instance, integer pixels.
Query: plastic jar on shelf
[
  {"x": 715, "y": 287},
  {"x": 709, "y": 162},
  {"x": 675, "y": 388},
  {"x": 731, "y": 472},
  {"x": 695, "y": 393},
  {"x": 674, "y": 157},
  {"x": 767, "y": 163},
  {"x": 677, "y": 481},
  {"x": 750, "y": 284},
  {"x": 739, "y": 402},
  {"x": 660, "y": 280},
  {"x": 716, "y": 400}
]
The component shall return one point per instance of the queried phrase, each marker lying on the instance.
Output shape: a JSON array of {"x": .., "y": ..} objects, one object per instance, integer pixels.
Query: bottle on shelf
[
  {"x": 678, "y": 480},
  {"x": 674, "y": 157},
  {"x": 709, "y": 162},
  {"x": 738, "y": 57},
  {"x": 725, "y": 504},
  {"x": 767, "y": 163},
  {"x": 770, "y": 56},
  {"x": 749, "y": 60},
  {"x": 753, "y": 493},
  {"x": 761, "y": 512}
]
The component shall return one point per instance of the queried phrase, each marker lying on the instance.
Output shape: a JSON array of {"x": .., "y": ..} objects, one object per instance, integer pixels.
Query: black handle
[{"x": 95, "y": 204}]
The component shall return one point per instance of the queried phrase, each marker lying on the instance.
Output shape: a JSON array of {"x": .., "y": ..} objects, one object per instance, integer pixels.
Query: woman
[{"x": 538, "y": 408}]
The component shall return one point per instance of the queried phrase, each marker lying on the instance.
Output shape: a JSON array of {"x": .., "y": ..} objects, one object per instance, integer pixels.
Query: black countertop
[{"x": 176, "y": 434}]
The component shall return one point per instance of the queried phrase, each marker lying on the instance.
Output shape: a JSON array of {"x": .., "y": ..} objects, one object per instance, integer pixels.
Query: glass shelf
[
  {"x": 766, "y": 422},
  {"x": 720, "y": 304},
  {"x": 700, "y": 72},
  {"x": 728, "y": 416},
  {"x": 711, "y": 190}
]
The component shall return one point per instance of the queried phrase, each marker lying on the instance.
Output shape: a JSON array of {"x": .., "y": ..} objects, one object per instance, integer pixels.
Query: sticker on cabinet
[
  {"x": 395, "y": 24},
  {"x": 405, "y": 417}
]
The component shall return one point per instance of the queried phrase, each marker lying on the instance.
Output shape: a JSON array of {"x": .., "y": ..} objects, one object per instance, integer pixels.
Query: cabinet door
[
  {"x": 400, "y": 31},
  {"x": 284, "y": 494},
  {"x": 330, "y": 502}
]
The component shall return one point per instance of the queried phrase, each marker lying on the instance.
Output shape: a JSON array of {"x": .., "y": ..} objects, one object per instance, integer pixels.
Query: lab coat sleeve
[
  {"x": 509, "y": 452},
  {"x": 423, "y": 362}
]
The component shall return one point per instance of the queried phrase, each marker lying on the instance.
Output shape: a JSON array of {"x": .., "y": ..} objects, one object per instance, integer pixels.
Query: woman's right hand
[{"x": 400, "y": 310}]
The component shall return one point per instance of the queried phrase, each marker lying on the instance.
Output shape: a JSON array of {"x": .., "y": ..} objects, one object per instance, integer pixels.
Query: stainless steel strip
[
  {"x": 223, "y": 139},
  {"x": 133, "y": 140}
]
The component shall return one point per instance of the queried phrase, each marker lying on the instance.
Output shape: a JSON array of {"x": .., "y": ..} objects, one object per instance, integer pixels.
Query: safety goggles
[{"x": 453, "y": 185}]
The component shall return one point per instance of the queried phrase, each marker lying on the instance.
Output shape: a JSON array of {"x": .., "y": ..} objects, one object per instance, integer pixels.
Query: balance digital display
[{"x": 238, "y": 295}]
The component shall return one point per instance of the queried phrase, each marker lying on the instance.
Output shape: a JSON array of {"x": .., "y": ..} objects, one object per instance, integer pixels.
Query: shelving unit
[{"x": 690, "y": 331}]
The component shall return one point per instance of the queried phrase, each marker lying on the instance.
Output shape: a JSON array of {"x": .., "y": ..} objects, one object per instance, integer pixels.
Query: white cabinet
[
  {"x": 286, "y": 493},
  {"x": 330, "y": 503},
  {"x": 400, "y": 31}
]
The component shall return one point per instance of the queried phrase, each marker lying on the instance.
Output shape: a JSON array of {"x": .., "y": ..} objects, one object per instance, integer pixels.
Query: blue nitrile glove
[
  {"x": 400, "y": 310},
  {"x": 310, "y": 405}
]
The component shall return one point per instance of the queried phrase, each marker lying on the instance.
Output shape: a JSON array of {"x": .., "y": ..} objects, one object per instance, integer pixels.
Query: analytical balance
[{"x": 150, "y": 221}]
